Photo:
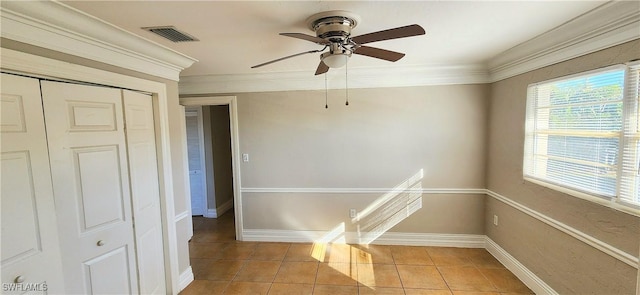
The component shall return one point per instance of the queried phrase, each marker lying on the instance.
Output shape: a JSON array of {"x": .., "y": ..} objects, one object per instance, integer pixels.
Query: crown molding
[
  {"x": 608, "y": 25},
  {"x": 358, "y": 78},
  {"x": 55, "y": 26}
]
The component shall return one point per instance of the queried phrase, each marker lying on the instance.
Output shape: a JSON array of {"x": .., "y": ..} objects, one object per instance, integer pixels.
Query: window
[
  {"x": 630, "y": 178},
  {"x": 583, "y": 135}
]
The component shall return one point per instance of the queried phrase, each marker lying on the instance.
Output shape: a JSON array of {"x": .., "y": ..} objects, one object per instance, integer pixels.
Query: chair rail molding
[
  {"x": 571, "y": 231},
  {"x": 363, "y": 190}
]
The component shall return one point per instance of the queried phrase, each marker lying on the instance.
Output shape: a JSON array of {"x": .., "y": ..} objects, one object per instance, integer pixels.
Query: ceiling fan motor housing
[
  {"x": 334, "y": 28},
  {"x": 334, "y": 25}
]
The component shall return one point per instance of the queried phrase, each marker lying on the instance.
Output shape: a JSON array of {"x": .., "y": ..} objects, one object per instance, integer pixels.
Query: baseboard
[
  {"x": 186, "y": 277},
  {"x": 211, "y": 213},
  {"x": 222, "y": 209},
  {"x": 388, "y": 238},
  {"x": 532, "y": 281},
  {"x": 281, "y": 235},
  {"x": 435, "y": 240},
  {"x": 214, "y": 213}
]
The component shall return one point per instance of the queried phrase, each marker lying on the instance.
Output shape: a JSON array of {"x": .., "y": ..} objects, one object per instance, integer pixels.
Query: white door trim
[
  {"x": 19, "y": 62},
  {"x": 232, "y": 102}
]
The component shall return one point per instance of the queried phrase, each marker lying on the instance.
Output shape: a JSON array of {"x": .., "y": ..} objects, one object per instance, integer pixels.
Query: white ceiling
[{"x": 234, "y": 35}]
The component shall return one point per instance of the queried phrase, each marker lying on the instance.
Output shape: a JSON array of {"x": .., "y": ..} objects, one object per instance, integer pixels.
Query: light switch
[{"x": 245, "y": 157}]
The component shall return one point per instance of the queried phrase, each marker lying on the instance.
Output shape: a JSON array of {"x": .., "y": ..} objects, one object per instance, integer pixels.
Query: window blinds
[
  {"x": 630, "y": 177},
  {"x": 573, "y": 131}
]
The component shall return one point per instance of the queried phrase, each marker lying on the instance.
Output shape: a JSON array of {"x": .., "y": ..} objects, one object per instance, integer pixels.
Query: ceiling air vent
[{"x": 171, "y": 33}]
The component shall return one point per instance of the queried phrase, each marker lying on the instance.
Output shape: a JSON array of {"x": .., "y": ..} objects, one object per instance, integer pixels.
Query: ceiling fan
[{"x": 333, "y": 31}]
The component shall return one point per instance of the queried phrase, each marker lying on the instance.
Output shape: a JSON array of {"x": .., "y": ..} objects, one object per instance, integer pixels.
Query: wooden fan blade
[
  {"x": 379, "y": 53},
  {"x": 306, "y": 37},
  {"x": 286, "y": 57},
  {"x": 322, "y": 68},
  {"x": 401, "y": 32}
]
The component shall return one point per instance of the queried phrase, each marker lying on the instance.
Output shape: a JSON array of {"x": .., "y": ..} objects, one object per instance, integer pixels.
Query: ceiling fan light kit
[
  {"x": 333, "y": 31},
  {"x": 336, "y": 57},
  {"x": 334, "y": 60}
]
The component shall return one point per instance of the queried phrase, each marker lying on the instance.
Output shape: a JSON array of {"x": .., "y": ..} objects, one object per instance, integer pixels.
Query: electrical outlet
[
  {"x": 495, "y": 220},
  {"x": 352, "y": 213}
]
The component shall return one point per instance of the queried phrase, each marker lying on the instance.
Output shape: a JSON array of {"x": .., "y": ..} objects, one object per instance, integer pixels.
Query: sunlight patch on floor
[
  {"x": 366, "y": 275},
  {"x": 318, "y": 251}
]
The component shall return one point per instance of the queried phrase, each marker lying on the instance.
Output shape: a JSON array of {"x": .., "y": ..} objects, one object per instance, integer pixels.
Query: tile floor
[{"x": 222, "y": 265}]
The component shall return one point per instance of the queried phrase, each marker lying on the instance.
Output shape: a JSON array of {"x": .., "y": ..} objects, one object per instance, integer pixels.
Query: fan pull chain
[
  {"x": 346, "y": 82},
  {"x": 326, "y": 92}
]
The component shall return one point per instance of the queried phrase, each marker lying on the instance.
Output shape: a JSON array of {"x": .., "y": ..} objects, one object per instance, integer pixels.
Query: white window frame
[{"x": 630, "y": 92}]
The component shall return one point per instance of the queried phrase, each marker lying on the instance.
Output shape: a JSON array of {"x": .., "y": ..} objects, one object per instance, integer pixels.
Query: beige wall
[
  {"x": 176, "y": 131},
  {"x": 383, "y": 138},
  {"x": 440, "y": 213},
  {"x": 566, "y": 264},
  {"x": 221, "y": 142}
]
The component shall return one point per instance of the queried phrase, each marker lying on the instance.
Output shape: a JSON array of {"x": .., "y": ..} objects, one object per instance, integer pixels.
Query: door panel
[
  {"x": 85, "y": 131},
  {"x": 143, "y": 170},
  {"x": 104, "y": 273},
  {"x": 12, "y": 108},
  {"x": 100, "y": 192},
  {"x": 91, "y": 116},
  {"x": 29, "y": 244},
  {"x": 140, "y": 155},
  {"x": 17, "y": 181},
  {"x": 150, "y": 264}
]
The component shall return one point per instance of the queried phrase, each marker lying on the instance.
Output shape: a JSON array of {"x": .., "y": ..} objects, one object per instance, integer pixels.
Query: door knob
[
  {"x": 18, "y": 279},
  {"x": 100, "y": 243}
]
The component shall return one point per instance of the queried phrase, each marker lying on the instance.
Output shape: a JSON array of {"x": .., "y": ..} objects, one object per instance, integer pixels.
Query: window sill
[{"x": 609, "y": 203}]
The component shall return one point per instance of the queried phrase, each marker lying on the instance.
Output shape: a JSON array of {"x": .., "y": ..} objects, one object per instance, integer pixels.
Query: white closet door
[
  {"x": 91, "y": 187},
  {"x": 195, "y": 151},
  {"x": 143, "y": 169},
  {"x": 30, "y": 247}
]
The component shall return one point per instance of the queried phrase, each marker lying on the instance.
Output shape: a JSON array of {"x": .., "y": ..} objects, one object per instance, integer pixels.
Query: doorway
[{"x": 221, "y": 156}]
